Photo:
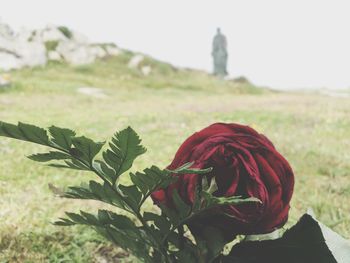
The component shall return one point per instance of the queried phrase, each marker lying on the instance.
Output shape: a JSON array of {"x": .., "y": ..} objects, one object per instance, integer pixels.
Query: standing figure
[{"x": 219, "y": 53}]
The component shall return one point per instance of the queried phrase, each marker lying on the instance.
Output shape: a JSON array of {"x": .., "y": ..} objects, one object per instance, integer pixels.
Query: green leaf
[
  {"x": 96, "y": 191},
  {"x": 131, "y": 240},
  {"x": 64, "y": 222},
  {"x": 182, "y": 167},
  {"x": 104, "y": 171},
  {"x": 11, "y": 131},
  {"x": 151, "y": 180},
  {"x": 72, "y": 164},
  {"x": 132, "y": 194},
  {"x": 61, "y": 137},
  {"x": 213, "y": 241},
  {"x": 46, "y": 157},
  {"x": 160, "y": 221},
  {"x": 87, "y": 147},
  {"x": 212, "y": 201},
  {"x": 125, "y": 147},
  {"x": 33, "y": 133},
  {"x": 25, "y": 132},
  {"x": 76, "y": 218},
  {"x": 118, "y": 221},
  {"x": 182, "y": 208},
  {"x": 185, "y": 169}
]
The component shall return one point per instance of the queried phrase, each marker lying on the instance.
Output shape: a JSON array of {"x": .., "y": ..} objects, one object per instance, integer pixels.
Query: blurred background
[
  {"x": 289, "y": 44},
  {"x": 99, "y": 66}
]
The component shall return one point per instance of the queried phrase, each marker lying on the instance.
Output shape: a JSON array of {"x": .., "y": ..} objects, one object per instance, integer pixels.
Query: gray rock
[
  {"x": 112, "y": 50},
  {"x": 79, "y": 38},
  {"x": 9, "y": 61},
  {"x": 135, "y": 61},
  {"x": 49, "y": 33},
  {"x": 16, "y": 52},
  {"x": 97, "y": 51},
  {"x": 146, "y": 70},
  {"x": 6, "y": 31},
  {"x": 54, "y": 56},
  {"x": 31, "y": 53},
  {"x": 79, "y": 54},
  {"x": 34, "y": 47}
]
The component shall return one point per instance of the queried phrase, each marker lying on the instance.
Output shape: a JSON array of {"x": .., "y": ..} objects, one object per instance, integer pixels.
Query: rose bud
[{"x": 245, "y": 163}]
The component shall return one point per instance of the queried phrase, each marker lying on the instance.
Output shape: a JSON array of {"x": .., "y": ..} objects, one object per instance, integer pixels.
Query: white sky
[{"x": 278, "y": 43}]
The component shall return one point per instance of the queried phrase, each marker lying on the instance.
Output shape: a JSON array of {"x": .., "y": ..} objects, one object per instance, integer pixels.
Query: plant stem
[{"x": 181, "y": 235}]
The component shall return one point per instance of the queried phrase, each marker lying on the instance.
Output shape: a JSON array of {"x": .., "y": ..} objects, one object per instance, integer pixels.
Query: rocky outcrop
[
  {"x": 16, "y": 52},
  {"x": 135, "y": 61},
  {"x": 29, "y": 48}
]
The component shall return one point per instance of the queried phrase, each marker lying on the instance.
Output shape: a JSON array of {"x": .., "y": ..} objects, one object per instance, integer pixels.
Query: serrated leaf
[
  {"x": 61, "y": 137},
  {"x": 46, "y": 157},
  {"x": 121, "y": 221},
  {"x": 87, "y": 147},
  {"x": 11, "y": 131},
  {"x": 131, "y": 241},
  {"x": 64, "y": 222},
  {"x": 90, "y": 218},
  {"x": 104, "y": 171},
  {"x": 185, "y": 169},
  {"x": 124, "y": 148},
  {"x": 25, "y": 132},
  {"x": 160, "y": 221},
  {"x": 33, "y": 133},
  {"x": 182, "y": 208},
  {"x": 76, "y": 218},
  {"x": 132, "y": 194},
  {"x": 83, "y": 218},
  {"x": 103, "y": 217},
  {"x": 96, "y": 191},
  {"x": 151, "y": 180},
  {"x": 72, "y": 164},
  {"x": 211, "y": 201},
  {"x": 82, "y": 192}
]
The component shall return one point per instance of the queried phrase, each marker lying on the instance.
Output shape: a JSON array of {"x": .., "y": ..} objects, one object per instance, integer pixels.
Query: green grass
[{"x": 310, "y": 130}]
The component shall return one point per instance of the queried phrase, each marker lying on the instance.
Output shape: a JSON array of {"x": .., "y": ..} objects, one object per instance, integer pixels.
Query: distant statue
[{"x": 219, "y": 53}]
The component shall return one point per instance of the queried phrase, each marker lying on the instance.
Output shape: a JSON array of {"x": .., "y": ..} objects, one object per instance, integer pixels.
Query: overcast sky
[{"x": 277, "y": 43}]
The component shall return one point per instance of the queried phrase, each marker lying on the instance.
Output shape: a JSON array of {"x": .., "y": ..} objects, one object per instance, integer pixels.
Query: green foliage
[
  {"x": 51, "y": 45},
  {"x": 123, "y": 149},
  {"x": 62, "y": 138},
  {"x": 152, "y": 237},
  {"x": 65, "y": 31}
]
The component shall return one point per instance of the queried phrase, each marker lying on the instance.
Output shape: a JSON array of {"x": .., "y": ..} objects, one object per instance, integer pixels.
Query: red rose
[{"x": 245, "y": 163}]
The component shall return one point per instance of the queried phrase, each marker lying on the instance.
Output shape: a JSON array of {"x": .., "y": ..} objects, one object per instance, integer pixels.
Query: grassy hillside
[{"x": 311, "y": 131}]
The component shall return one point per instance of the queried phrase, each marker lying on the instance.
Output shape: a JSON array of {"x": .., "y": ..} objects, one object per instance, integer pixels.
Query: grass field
[{"x": 312, "y": 131}]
